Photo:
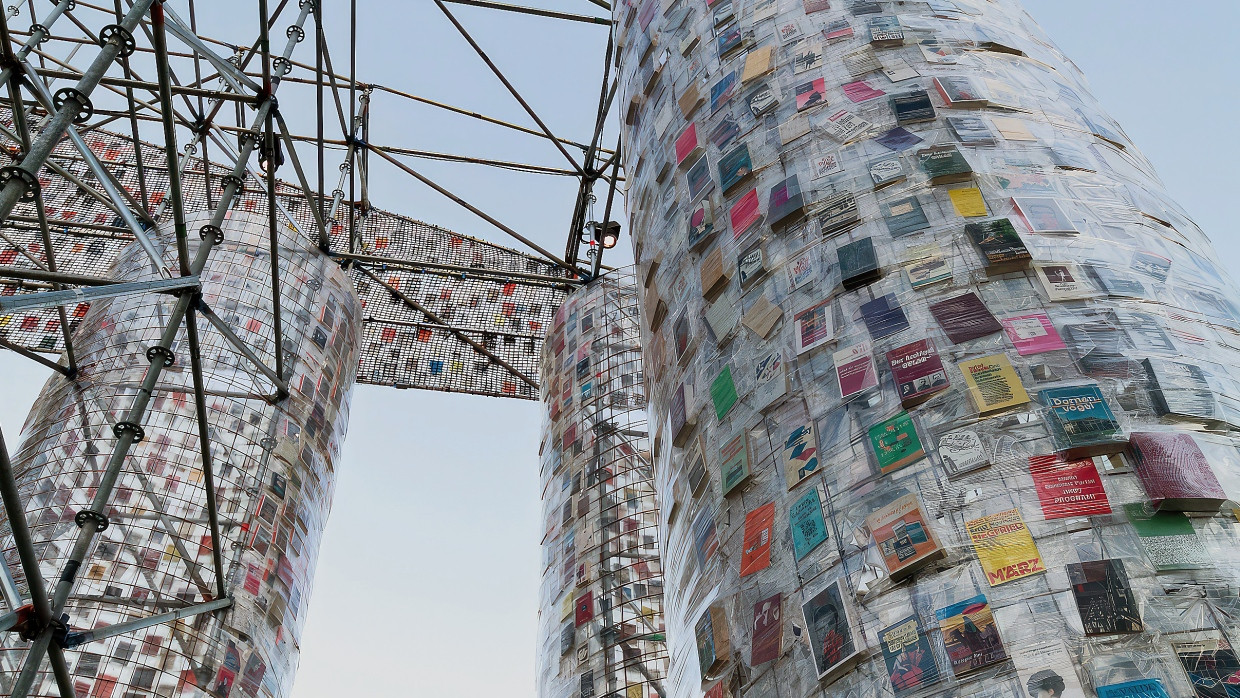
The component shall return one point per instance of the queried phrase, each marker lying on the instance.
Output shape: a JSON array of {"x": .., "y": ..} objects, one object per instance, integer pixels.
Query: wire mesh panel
[
  {"x": 274, "y": 468},
  {"x": 601, "y": 601},
  {"x": 498, "y": 297},
  {"x": 943, "y": 384}
]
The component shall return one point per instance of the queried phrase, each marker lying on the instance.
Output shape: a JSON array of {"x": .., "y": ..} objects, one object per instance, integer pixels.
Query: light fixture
[{"x": 607, "y": 234}]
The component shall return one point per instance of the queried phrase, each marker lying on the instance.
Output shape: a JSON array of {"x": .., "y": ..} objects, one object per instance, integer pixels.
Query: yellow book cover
[
  {"x": 992, "y": 383},
  {"x": 1004, "y": 547},
  {"x": 758, "y": 63},
  {"x": 968, "y": 202}
]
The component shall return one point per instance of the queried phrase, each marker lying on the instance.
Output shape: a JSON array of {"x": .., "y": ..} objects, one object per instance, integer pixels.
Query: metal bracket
[
  {"x": 86, "y": 515},
  {"x": 14, "y": 172},
  {"x": 234, "y": 180},
  {"x": 65, "y": 94},
  {"x": 296, "y": 33},
  {"x": 213, "y": 232},
  {"x": 120, "y": 428},
  {"x": 116, "y": 34},
  {"x": 161, "y": 352},
  {"x": 47, "y": 34}
]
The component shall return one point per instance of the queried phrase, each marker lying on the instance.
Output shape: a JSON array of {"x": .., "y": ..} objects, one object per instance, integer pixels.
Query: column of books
[
  {"x": 273, "y": 462},
  {"x": 600, "y": 627},
  {"x": 943, "y": 385}
]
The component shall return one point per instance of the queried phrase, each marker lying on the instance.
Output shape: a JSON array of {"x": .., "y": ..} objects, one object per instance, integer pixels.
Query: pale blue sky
[{"x": 428, "y": 578}]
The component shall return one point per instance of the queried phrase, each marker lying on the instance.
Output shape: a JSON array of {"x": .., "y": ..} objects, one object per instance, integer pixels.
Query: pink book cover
[
  {"x": 1171, "y": 466},
  {"x": 1032, "y": 333},
  {"x": 861, "y": 91},
  {"x": 744, "y": 213},
  {"x": 855, "y": 369},
  {"x": 686, "y": 144}
]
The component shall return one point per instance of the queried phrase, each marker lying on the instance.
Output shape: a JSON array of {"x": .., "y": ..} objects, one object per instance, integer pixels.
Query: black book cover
[
  {"x": 883, "y": 316},
  {"x": 944, "y": 164},
  {"x": 1104, "y": 597},
  {"x": 786, "y": 201},
  {"x": 1000, "y": 245},
  {"x": 858, "y": 263},
  {"x": 913, "y": 107},
  {"x": 839, "y": 213},
  {"x": 964, "y": 318}
]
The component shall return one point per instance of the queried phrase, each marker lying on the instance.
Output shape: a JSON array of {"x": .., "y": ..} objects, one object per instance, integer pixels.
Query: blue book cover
[
  {"x": 1141, "y": 688},
  {"x": 1079, "y": 416},
  {"x": 809, "y": 529}
]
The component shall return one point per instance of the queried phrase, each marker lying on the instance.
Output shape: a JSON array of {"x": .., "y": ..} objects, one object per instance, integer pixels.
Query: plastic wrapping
[
  {"x": 274, "y": 466},
  {"x": 944, "y": 318},
  {"x": 600, "y": 625}
]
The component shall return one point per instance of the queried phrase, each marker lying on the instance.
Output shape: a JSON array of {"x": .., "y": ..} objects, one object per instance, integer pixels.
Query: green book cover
[
  {"x": 895, "y": 443},
  {"x": 723, "y": 393},
  {"x": 1169, "y": 539},
  {"x": 943, "y": 162}
]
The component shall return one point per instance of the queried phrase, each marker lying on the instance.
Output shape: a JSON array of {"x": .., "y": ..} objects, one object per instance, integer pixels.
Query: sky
[{"x": 429, "y": 567}]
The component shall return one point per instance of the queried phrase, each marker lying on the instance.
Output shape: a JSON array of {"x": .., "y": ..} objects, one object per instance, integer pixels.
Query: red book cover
[
  {"x": 686, "y": 144},
  {"x": 918, "y": 371},
  {"x": 744, "y": 213},
  {"x": 585, "y": 609},
  {"x": 855, "y": 370},
  {"x": 1068, "y": 488},
  {"x": 964, "y": 317},
  {"x": 767, "y": 630},
  {"x": 756, "y": 555},
  {"x": 1174, "y": 472}
]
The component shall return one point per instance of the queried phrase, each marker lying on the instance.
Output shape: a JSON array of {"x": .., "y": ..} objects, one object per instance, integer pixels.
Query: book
[
  {"x": 584, "y": 609},
  {"x": 1032, "y": 333},
  {"x": 1044, "y": 215},
  {"x": 837, "y": 29},
  {"x": 690, "y": 100},
  {"x": 904, "y": 216},
  {"x": 825, "y": 164},
  {"x": 944, "y": 164},
  {"x": 971, "y": 130},
  {"x": 688, "y": 146},
  {"x": 1210, "y": 663},
  {"x": 801, "y": 268},
  {"x": 711, "y": 272},
  {"x": 862, "y": 62},
  {"x": 861, "y": 91},
  {"x": 846, "y": 127},
  {"x": 1174, "y": 472},
  {"x": 698, "y": 178},
  {"x": 770, "y": 380},
  {"x": 762, "y": 316},
  {"x": 992, "y": 383},
  {"x": 1169, "y": 539},
  {"x": 1179, "y": 390},
  {"x": 800, "y": 453},
  {"x": 895, "y": 443},
  {"x": 935, "y": 51},
  {"x": 786, "y": 203},
  {"x": 964, "y": 318},
  {"x": 734, "y": 462},
  {"x": 855, "y": 371},
  {"x": 839, "y": 213},
  {"x": 723, "y": 133},
  {"x": 912, "y": 108},
  {"x": 729, "y": 40},
  {"x": 683, "y": 414},
  {"x": 762, "y": 100},
  {"x": 767, "y": 631},
  {"x": 962, "y": 451},
  {"x": 1104, "y": 597},
  {"x": 902, "y": 534},
  {"x": 734, "y": 167},
  {"x": 908, "y": 656},
  {"x": 884, "y": 31},
  {"x": 898, "y": 70},
  {"x": 1012, "y": 129},
  {"x": 899, "y": 139},
  {"x": 886, "y": 171},
  {"x": 883, "y": 317},
  {"x": 756, "y": 542},
  {"x": 858, "y": 263},
  {"x": 1068, "y": 488},
  {"x": 927, "y": 270},
  {"x": 1080, "y": 421},
  {"x": 705, "y": 536},
  {"x": 1000, "y": 246},
  {"x": 1063, "y": 282},
  {"x": 758, "y": 62},
  {"x": 1004, "y": 547},
  {"x": 968, "y": 202},
  {"x": 832, "y": 638},
  {"x": 721, "y": 92},
  {"x": 682, "y": 338},
  {"x": 723, "y": 393},
  {"x": 701, "y": 225},
  {"x": 813, "y": 326},
  {"x": 811, "y": 94},
  {"x": 809, "y": 527},
  {"x": 970, "y": 635},
  {"x": 1035, "y": 639},
  {"x": 744, "y": 213},
  {"x": 1140, "y": 688},
  {"x": 722, "y": 316},
  {"x": 960, "y": 92},
  {"x": 918, "y": 372},
  {"x": 806, "y": 56},
  {"x": 751, "y": 265},
  {"x": 713, "y": 644}
]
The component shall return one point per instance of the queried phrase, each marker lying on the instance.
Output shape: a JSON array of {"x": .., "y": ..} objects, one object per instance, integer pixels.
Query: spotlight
[{"x": 607, "y": 234}]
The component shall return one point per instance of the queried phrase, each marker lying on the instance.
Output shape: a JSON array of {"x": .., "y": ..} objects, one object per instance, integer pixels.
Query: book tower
[
  {"x": 942, "y": 384},
  {"x": 600, "y": 624}
]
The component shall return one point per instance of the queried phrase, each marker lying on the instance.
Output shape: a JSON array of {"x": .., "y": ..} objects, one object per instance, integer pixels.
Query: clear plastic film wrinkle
[{"x": 942, "y": 383}]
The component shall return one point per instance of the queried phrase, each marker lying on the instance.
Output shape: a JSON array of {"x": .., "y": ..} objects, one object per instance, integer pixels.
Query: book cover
[
  {"x": 855, "y": 371},
  {"x": 883, "y": 316},
  {"x": 904, "y": 216},
  {"x": 1033, "y": 629},
  {"x": 723, "y": 393},
  {"x": 908, "y": 656},
  {"x": 809, "y": 527},
  {"x": 960, "y": 91},
  {"x": 1210, "y": 663},
  {"x": 970, "y": 635},
  {"x": 1174, "y": 472},
  {"x": 750, "y": 265},
  {"x": 1068, "y": 488},
  {"x": 701, "y": 225},
  {"x": 729, "y": 40},
  {"x": 806, "y": 56},
  {"x": 831, "y": 637},
  {"x": 968, "y": 202},
  {"x": 1004, "y": 547},
  {"x": 901, "y": 532},
  {"x": 705, "y": 536},
  {"x": 756, "y": 544},
  {"x": 711, "y": 273},
  {"x": 912, "y": 107},
  {"x": 999, "y": 244},
  {"x": 770, "y": 380},
  {"x": 762, "y": 316},
  {"x": 698, "y": 178},
  {"x": 811, "y": 94},
  {"x": 1140, "y": 688},
  {"x": 1032, "y": 333},
  {"x": 682, "y": 338},
  {"x": 944, "y": 164},
  {"x": 785, "y": 201},
  {"x": 1169, "y": 539},
  {"x": 723, "y": 133},
  {"x": 682, "y": 415},
  {"x": 846, "y": 127},
  {"x": 837, "y": 29},
  {"x": 1080, "y": 421},
  {"x": 767, "y": 631},
  {"x": 762, "y": 100},
  {"x": 861, "y": 62},
  {"x": 721, "y": 92},
  {"x": 801, "y": 268},
  {"x": 713, "y": 643},
  {"x": 758, "y": 62},
  {"x": 885, "y": 30},
  {"x": 800, "y": 453},
  {"x": 887, "y": 170},
  {"x": 861, "y": 91},
  {"x": 1063, "y": 282},
  {"x": 895, "y": 443},
  {"x": 964, "y": 318},
  {"x": 1044, "y": 215},
  {"x": 734, "y": 462},
  {"x": 858, "y": 263},
  {"x": 744, "y": 213},
  {"x": 971, "y": 130},
  {"x": 825, "y": 164},
  {"x": 1180, "y": 390},
  {"x": 584, "y": 612},
  {"x": 734, "y": 167},
  {"x": 839, "y": 213},
  {"x": 813, "y": 326},
  {"x": 962, "y": 451},
  {"x": 918, "y": 371},
  {"x": 927, "y": 270},
  {"x": 687, "y": 145},
  {"x": 1104, "y": 597}
]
